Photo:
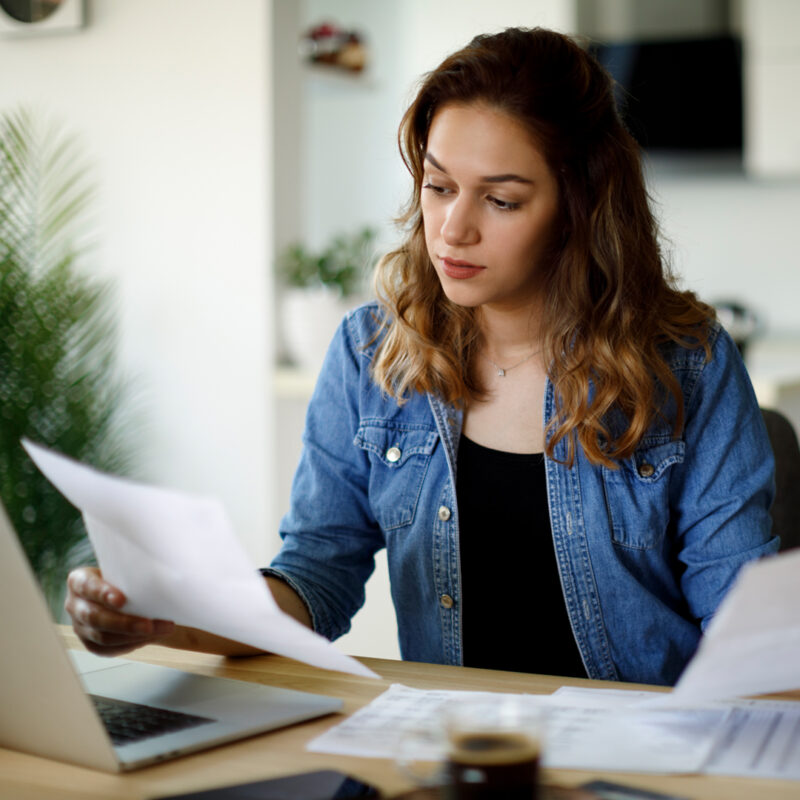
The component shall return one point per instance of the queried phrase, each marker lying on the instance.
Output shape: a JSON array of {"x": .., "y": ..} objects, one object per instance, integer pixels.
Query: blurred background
[{"x": 245, "y": 153}]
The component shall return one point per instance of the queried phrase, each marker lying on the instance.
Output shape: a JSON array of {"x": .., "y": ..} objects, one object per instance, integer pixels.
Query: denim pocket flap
[
  {"x": 648, "y": 464},
  {"x": 395, "y": 445}
]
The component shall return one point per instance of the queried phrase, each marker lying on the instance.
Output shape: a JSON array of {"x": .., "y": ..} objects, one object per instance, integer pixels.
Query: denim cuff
[{"x": 288, "y": 579}]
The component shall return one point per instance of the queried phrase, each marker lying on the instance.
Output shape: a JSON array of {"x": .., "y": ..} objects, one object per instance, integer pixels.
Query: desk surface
[{"x": 24, "y": 777}]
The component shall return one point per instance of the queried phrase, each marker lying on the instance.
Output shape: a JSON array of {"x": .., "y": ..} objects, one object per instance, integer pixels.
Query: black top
[{"x": 513, "y": 612}]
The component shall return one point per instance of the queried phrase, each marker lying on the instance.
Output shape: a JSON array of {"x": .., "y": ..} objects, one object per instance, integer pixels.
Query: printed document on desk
[
  {"x": 596, "y": 729},
  {"x": 760, "y": 739},
  {"x": 753, "y": 738},
  {"x": 752, "y": 645},
  {"x": 584, "y": 731},
  {"x": 167, "y": 550}
]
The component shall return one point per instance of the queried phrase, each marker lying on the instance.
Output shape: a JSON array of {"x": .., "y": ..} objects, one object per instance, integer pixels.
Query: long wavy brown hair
[{"x": 611, "y": 302}]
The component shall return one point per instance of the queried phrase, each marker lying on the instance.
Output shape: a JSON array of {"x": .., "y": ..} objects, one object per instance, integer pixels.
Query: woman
[{"x": 561, "y": 452}]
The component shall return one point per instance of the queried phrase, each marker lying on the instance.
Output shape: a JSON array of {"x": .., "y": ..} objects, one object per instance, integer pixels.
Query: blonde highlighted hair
[{"x": 610, "y": 301}]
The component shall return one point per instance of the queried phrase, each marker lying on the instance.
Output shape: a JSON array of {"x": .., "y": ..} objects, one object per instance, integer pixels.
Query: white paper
[
  {"x": 597, "y": 729},
  {"x": 755, "y": 739},
  {"x": 175, "y": 556},
  {"x": 584, "y": 731},
  {"x": 377, "y": 730},
  {"x": 613, "y": 729},
  {"x": 752, "y": 645},
  {"x": 760, "y": 739}
]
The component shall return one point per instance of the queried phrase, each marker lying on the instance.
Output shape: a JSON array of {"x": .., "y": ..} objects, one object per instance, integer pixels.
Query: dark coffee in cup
[{"x": 501, "y": 765}]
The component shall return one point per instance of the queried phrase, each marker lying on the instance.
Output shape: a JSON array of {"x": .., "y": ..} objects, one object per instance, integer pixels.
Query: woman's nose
[{"x": 460, "y": 226}]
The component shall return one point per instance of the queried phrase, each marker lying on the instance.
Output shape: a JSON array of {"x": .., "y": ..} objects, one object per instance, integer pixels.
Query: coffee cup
[
  {"x": 493, "y": 749},
  {"x": 484, "y": 747}
]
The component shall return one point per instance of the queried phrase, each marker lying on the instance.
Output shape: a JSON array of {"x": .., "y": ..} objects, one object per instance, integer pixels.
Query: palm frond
[{"x": 58, "y": 379}]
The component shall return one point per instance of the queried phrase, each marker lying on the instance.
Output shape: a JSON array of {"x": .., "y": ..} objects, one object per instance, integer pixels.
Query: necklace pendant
[{"x": 501, "y": 372}]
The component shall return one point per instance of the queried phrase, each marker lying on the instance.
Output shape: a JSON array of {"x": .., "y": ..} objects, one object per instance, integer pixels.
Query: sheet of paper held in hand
[
  {"x": 176, "y": 557},
  {"x": 752, "y": 645}
]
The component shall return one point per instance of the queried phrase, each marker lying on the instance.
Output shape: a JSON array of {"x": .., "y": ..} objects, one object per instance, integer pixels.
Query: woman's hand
[{"x": 95, "y": 607}]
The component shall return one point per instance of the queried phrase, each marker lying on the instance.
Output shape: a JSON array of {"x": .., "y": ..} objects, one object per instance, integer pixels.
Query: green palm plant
[{"x": 58, "y": 384}]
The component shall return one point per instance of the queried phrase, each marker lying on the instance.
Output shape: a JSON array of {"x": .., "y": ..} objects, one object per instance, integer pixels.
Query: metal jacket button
[
  {"x": 646, "y": 470},
  {"x": 444, "y": 513},
  {"x": 393, "y": 454},
  {"x": 446, "y": 601}
]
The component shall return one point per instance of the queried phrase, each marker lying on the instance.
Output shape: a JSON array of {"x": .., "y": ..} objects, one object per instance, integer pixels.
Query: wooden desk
[{"x": 24, "y": 777}]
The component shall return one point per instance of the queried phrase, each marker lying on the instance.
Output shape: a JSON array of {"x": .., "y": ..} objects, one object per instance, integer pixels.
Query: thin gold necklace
[{"x": 501, "y": 371}]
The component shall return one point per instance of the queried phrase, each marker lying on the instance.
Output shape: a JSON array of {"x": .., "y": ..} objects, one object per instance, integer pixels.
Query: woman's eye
[
  {"x": 435, "y": 189},
  {"x": 503, "y": 205}
]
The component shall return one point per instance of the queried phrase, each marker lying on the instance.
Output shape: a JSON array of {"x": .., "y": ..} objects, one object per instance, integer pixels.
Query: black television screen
[{"x": 682, "y": 95}]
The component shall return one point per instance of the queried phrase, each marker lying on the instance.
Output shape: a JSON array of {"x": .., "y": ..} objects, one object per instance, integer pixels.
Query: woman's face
[{"x": 489, "y": 206}]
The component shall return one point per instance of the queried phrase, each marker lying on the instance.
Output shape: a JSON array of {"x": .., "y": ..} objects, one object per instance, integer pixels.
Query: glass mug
[{"x": 488, "y": 748}]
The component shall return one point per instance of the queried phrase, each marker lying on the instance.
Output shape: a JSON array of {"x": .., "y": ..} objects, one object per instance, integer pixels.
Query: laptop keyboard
[{"x": 132, "y": 722}]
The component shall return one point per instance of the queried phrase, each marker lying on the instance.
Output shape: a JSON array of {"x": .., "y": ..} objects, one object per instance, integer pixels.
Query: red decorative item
[{"x": 327, "y": 44}]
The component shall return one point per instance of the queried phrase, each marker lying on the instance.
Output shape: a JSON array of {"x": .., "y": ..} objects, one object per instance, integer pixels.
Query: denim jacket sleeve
[
  {"x": 330, "y": 534},
  {"x": 722, "y": 496}
]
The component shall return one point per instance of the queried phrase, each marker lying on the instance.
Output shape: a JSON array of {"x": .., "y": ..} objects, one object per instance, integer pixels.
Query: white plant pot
[{"x": 309, "y": 318}]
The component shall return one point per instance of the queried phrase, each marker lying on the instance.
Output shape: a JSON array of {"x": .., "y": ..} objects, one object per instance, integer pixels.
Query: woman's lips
[{"x": 459, "y": 270}]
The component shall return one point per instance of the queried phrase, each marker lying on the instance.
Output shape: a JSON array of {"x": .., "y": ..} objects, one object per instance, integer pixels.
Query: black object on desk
[{"x": 321, "y": 785}]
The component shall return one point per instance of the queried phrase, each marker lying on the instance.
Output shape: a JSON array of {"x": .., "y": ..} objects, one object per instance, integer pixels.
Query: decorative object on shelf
[
  {"x": 58, "y": 383},
  {"x": 741, "y": 322},
  {"x": 328, "y": 45},
  {"x": 21, "y": 18},
  {"x": 318, "y": 289}
]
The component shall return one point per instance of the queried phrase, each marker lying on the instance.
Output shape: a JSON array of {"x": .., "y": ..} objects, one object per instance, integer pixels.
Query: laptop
[{"x": 53, "y": 701}]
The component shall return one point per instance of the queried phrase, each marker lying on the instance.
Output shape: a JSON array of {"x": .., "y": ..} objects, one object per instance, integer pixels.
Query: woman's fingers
[
  {"x": 94, "y": 606},
  {"x": 88, "y": 583}
]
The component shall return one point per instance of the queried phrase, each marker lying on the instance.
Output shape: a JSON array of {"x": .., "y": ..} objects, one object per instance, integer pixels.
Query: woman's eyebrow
[
  {"x": 429, "y": 157},
  {"x": 506, "y": 177}
]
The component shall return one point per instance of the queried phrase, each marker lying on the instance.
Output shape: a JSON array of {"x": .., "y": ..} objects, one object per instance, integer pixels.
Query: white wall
[
  {"x": 350, "y": 167},
  {"x": 772, "y": 55},
  {"x": 172, "y": 102},
  {"x": 351, "y": 173},
  {"x": 433, "y": 29},
  {"x": 734, "y": 238}
]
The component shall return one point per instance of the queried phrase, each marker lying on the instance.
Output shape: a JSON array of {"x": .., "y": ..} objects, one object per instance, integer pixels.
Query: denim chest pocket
[
  {"x": 399, "y": 457},
  {"x": 637, "y": 494}
]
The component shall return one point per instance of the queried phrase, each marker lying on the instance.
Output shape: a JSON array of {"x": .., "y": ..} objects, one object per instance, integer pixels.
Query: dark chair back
[{"x": 786, "y": 508}]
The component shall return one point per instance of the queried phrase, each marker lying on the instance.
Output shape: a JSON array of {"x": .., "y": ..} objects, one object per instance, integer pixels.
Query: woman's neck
[{"x": 509, "y": 334}]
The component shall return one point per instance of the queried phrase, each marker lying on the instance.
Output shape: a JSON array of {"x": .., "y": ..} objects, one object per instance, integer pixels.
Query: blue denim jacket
[{"x": 645, "y": 552}]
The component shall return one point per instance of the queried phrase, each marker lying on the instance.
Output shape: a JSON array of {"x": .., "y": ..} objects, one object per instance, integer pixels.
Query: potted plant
[
  {"x": 318, "y": 289},
  {"x": 57, "y": 345}
]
